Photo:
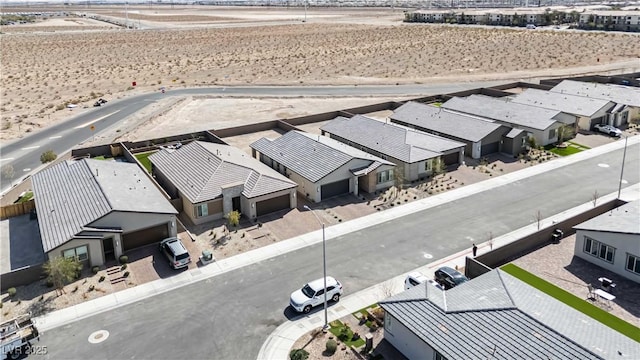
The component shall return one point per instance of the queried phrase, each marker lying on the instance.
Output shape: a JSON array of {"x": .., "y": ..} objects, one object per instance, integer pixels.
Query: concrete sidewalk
[{"x": 279, "y": 343}]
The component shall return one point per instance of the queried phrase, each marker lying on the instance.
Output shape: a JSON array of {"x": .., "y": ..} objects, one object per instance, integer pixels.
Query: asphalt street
[
  {"x": 229, "y": 316},
  {"x": 24, "y": 154}
]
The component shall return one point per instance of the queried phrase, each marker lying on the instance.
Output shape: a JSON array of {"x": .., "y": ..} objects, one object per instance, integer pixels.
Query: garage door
[
  {"x": 451, "y": 159},
  {"x": 335, "y": 189},
  {"x": 271, "y": 205},
  {"x": 490, "y": 148},
  {"x": 144, "y": 237}
]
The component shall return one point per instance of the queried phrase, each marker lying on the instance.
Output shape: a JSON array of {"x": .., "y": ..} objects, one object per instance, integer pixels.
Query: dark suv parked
[{"x": 448, "y": 277}]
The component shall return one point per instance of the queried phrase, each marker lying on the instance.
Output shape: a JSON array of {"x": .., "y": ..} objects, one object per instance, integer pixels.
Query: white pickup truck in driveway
[{"x": 608, "y": 129}]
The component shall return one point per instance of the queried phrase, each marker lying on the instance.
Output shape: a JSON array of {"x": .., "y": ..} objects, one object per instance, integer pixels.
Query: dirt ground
[{"x": 188, "y": 46}]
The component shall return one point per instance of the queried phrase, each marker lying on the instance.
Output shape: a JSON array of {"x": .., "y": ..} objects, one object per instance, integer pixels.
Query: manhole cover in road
[
  {"x": 428, "y": 256},
  {"x": 603, "y": 165},
  {"x": 98, "y": 336}
]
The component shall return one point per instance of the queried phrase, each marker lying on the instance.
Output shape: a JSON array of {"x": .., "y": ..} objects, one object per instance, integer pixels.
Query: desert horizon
[{"x": 60, "y": 61}]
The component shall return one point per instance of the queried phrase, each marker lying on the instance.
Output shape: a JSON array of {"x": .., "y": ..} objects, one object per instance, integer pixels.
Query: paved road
[
  {"x": 24, "y": 154},
  {"x": 230, "y": 316}
]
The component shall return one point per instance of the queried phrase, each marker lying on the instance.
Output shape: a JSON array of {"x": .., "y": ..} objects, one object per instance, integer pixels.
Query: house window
[
  {"x": 385, "y": 176},
  {"x": 80, "y": 253},
  {"x": 633, "y": 264},
  {"x": 438, "y": 356},
  {"x": 597, "y": 249},
  {"x": 202, "y": 210},
  {"x": 388, "y": 324},
  {"x": 428, "y": 165},
  {"x": 552, "y": 134}
]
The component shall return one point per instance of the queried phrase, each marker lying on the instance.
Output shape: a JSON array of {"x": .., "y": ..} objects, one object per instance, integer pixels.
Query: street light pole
[
  {"x": 624, "y": 155},
  {"x": 324, "y": 268}
]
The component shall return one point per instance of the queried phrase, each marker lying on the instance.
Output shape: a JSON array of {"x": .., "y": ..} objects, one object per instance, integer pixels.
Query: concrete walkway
[{"x": 280, "y": 341}]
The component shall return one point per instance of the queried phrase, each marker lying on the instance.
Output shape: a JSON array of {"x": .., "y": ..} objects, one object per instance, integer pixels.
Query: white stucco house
[
  {"x": 96, "y": 210},
  {"x": 323, "y": 167},
  {"x": 496, "y": 316},
  {"x": 612, "y": 241}
]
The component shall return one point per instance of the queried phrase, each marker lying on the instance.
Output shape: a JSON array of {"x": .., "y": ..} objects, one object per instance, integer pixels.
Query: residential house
[
  {"x": 540, "y": 124},
  {"x": 414, "y": 152},
  {"x": 496, "y": 316},
  {"x": 324, "y": 167},
  {"x": 590, "y": 111},
  {"x": 626, "y": 98},
  {"x": 612, "y": 241},
  {"x": 95, "y": 210},
  {"x": 214, "y": 179},
  {"x": 480, "y": 136}
]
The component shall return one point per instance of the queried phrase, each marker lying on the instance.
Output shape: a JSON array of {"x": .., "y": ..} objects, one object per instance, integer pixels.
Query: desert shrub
[
  {"x": 124, "y": 259},
  {"x": 299, "y": 354},
  {"x": 48, "y": 156},
  {"x": 332, "y": 346},
  {"x": 12, "y": 292},
  {"x": 101, "y": 278},
  {"x": 95, "y": 269},
  {"x": 126, "y": 274},
  {"x": 123, "y": 267}
]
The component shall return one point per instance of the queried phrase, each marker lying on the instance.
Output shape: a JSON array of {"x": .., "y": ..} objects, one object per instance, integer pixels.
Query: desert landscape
[{"x": 58, "y": 61}]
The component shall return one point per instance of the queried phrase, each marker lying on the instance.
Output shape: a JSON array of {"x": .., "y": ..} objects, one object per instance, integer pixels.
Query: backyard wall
[
  {"x": 504, "y": 254},
  {"x": 22, "y": 276}
]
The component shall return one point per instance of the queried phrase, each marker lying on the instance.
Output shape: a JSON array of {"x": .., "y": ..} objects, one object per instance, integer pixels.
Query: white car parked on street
[
  {"x": 608, "y": 129},
  {"x": 312, "y": 294}
]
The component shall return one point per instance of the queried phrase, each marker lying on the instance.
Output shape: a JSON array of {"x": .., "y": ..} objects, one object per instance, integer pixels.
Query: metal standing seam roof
[
  {"x": 498, "y": 311},
  {"x": 627, "y": 95},
  {"x": 405, "y": 144},
  {"x": 72, "y": 194},
  {"x": 311, "y": 156},
  {"x": 446, "y": 122},
  {"x": 500, "y": 109},
  {"x": 571, "y": 104},
  {"x": 201, "y": 169},
  {"x": 624, "y": 219}
]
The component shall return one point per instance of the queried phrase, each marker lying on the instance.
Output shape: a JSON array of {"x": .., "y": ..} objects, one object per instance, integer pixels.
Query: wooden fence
[{"x": 17, "y": 209}]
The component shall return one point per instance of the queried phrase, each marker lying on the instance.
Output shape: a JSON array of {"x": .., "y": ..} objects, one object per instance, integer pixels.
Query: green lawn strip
[
  {"x": 584, "y": 147},
  {"x": 575, "y": 302},
  {"x": 101, "y": 157},
  {"x": 565, "y": 151},
  {"x": 144, "y": 160},
  {"x": 336, "y": 327},
  {"x": 26, "y": 197}
]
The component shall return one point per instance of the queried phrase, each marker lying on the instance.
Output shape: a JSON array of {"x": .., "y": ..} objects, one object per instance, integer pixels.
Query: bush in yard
[
  {"x": 299, "y": 354},
  {"x": 12, "y": 292},
  {"x": 48, "y": 156},
  {"x": 126, "y": 274},
  {"x": 95, "y": 269},
  {"x": 124, "y": 259},
  {"x": 60, "y": 271},
  {"x": 332, "y": 345}
]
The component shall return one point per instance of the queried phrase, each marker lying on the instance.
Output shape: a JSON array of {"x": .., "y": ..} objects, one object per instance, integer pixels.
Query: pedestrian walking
[{"x": 474, "y": 249}]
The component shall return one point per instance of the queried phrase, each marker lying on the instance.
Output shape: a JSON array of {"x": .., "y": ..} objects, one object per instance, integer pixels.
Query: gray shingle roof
[
  {"x": 200, "y": 170},
  {"x": 496, "y": 310},
  {"x": 627, "y": 95},
  {"x": 311, "y": 156},
  {"x": 393, "y": 140},
  {"x": 570, "y": 104},
  {"x": 624, "y": 219},
  {"x": 72, "y": 194},
  {"x": 503, "y": 110},
  {"x": 444, "y": 122}
]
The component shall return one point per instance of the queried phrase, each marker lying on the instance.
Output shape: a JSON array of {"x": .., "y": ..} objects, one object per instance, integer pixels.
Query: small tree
[
  {"x": 565, "y": 132},
  {"x": 233, "y": 218},
  {"x": 48, "y": 156},
  {"x": 438, "y": 167},
  {"x": 299, "y": 354},
  {"x": 60, "y": 271}
]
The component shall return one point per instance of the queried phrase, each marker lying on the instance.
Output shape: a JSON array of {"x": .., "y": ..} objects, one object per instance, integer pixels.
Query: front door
[
  {"x": 235, "y": 204},
  {"x": 107, "y": 249}
]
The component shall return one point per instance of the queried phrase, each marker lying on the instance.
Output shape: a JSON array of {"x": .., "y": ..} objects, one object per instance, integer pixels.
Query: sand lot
[{"x": 61, "y": 61}]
